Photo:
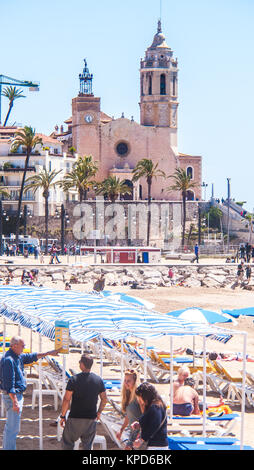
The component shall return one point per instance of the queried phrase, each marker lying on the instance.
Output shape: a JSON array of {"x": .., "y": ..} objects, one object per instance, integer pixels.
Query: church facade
[{"x": 118, "y": 144}]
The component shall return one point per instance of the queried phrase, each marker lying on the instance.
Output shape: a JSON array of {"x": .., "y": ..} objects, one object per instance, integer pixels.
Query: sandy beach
[{"x": 165, "y": 299}]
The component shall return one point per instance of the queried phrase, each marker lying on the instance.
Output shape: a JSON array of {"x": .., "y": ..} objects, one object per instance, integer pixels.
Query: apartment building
[{"x": 49, "y": 155}]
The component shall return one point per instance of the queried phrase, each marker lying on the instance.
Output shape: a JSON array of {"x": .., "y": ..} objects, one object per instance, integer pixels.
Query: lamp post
[
  {"x": 1, "y": 228},
  {"x": 199, "y": 224},
  {"x": 64, "y": 220},
  {"x": 25, "y": 218},
  {"x": 228, "y": 180},
  {"x": 204, "y": 185}
]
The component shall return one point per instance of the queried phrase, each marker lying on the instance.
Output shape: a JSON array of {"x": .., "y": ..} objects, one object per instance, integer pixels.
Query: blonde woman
[{"x": 130, "y": 406}]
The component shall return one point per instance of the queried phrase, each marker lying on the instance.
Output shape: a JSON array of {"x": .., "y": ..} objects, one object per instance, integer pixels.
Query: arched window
[
  {"x": 189, "y": 172},
  {"x": 174, "y": 85},
  {"x": 163, "y": 84},
  {"x": 150, "y": 85},
  {"x": 190, "y": 195},
  {"x": 142, "y": 85}
]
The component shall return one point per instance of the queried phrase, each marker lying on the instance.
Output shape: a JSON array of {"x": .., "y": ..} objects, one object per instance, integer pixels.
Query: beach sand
[{"x": 165, "y": 299}]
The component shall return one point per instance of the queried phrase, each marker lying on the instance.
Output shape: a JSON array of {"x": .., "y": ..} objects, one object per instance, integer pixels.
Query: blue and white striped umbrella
[
  {"x": 195, "y": 314},
  {"x": 116, "y": 296},
  {"x": 92, "y": 315}
]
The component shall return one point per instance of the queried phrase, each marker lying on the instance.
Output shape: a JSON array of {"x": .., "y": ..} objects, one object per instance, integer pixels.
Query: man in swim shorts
[{"x": 185, "y": 398}]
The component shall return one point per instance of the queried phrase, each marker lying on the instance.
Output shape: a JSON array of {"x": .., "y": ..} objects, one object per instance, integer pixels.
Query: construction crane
[{"x": 33, "y": 86}]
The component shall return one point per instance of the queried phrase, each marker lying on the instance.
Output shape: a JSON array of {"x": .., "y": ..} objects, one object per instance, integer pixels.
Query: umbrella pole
[
  {"x": 204, "y": 386},
  {"x": 101, "y": 358},
  {"x": 243, "y": 389},
  {"x": 194, "y": 347},
  {"x": 40, "y": 396},
  {"x": 64, "y": 374},
  {"x": 31, "y": 345},
  {"x": 121, "y": 360},
  {"x": 4, "y": 341},
  {"x": 4, "y": 335},
  {"x": 145, "y": 361},
  {"x": 171, "y": 377}
]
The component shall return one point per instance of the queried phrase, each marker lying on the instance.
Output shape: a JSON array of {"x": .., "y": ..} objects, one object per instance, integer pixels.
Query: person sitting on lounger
[{"x": 185, "y": 398}]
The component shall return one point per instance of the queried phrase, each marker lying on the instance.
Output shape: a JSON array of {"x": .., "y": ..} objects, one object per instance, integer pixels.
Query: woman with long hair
[
  {"x": 153, "y": 422},
  {"x": 129, "y": 405}
]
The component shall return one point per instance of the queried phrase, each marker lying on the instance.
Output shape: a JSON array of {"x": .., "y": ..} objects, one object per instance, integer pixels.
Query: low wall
[{"x": 220, "y": 276}]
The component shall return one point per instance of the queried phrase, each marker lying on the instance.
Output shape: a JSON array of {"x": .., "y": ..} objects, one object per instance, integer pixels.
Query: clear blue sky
[{"x": 213, "y": 41}]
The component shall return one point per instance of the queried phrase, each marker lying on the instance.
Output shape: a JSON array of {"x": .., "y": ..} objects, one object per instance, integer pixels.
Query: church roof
[{"x": 159, "y": 40}]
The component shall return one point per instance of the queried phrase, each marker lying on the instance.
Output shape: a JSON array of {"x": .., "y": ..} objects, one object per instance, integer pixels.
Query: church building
[{"x": 118, "y": 144}]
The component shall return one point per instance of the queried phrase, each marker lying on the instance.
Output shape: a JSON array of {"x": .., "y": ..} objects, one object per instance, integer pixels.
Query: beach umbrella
[
  {"x": 195, "y": 314},
  {"x": 91, "y": 315},
  {"x": 120, "y": 296},
  {"x": 236, "y": 313},
  {"x": 199, "y": 315}
]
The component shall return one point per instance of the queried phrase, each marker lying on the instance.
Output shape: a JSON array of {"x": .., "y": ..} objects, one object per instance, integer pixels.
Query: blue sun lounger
[
  {"x": 220, "y": 447},
  {"x": 177, "y": 360},
  {"x": 176, "y": 442},
  {"x": 114, "y": 383}
]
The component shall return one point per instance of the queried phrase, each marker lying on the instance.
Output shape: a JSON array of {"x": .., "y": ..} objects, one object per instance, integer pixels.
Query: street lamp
[
  {"x": 204, "y": 185},
  {"x": 228, "y": 180},
  {"x": 1, "y": 228},
  {"x": 64, "y": 220}
]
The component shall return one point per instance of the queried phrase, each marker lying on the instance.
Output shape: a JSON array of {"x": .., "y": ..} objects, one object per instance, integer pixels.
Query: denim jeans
[{"x": 12, "y": 425}]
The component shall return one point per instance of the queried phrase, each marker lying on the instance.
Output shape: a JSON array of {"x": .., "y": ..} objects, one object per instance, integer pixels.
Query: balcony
[
  {"x": 23, "y": 154},
  {"x": 15, "y": 197},
  {"x": 15, "y": 169}
]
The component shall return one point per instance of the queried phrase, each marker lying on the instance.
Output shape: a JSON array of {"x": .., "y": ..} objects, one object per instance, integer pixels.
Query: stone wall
[{"x": 144, "y": 275}]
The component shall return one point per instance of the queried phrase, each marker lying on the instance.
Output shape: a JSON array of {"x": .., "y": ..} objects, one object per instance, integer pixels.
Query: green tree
[
  {"x": 145, "y": 168},
  {"x": 80, "y": 177},
  {"x": 112, "y": 187},
  {"x": 215, "y": 215},
  {"x": 12, "y": 93},
  {"x": 27, "y": 138},
  {"x": 182, "y": 183},
  {"x": 43, "y": 180}
]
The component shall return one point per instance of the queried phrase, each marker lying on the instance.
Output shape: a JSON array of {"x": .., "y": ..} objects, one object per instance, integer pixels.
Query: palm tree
[
  {"x": 4, "y": 193},
  {"x": 146, "y": 168},
  {"x": 80, "y": 176},
  {"x": 112, "y": 187},
  {"x": 12, "y": 93},
  {"x": 43, "y": 180},
  {"x": 27, "y": 138},
  {"x": 183, "y": 184}
]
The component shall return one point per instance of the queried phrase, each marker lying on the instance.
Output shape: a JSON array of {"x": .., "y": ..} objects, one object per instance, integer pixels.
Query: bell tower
[
  {"x": 85, "y": 113},
  {"x": 159, "y": 85}
]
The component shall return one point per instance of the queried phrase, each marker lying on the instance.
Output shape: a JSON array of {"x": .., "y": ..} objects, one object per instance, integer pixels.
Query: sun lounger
[
  {"x": 221, "y": 370},
  {"x": 112, "y": 427},
  {"x": 249, "y": 378},
  {"x": 217, "y": 425},
  {"x": 213, "y": 447},
  {"x": 175, "y": 442},
  {"x": 235, "y": 394}
]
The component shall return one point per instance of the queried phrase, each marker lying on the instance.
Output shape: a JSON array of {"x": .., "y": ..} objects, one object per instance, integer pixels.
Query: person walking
[
  {"x": 248, "y": 273},
  {"x": 130, "y": 406},
  {"x": 240, "y": 271},
  {"x": 53, "y": 253},
  {"x": 81, "y": 395},
  {"x": 196, "y": 252},
  {"x": 153, "y": 422},
  {"x": 13, "y": 385}
]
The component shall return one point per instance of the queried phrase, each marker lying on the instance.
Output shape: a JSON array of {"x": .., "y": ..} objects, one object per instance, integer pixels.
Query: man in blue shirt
[
  {"x": 13, "y": 385},
  {"x": 196, "y": 251}
]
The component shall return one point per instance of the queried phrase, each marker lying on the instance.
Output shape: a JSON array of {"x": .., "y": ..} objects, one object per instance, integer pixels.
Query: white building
[{"x": 50, "y": 156}]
